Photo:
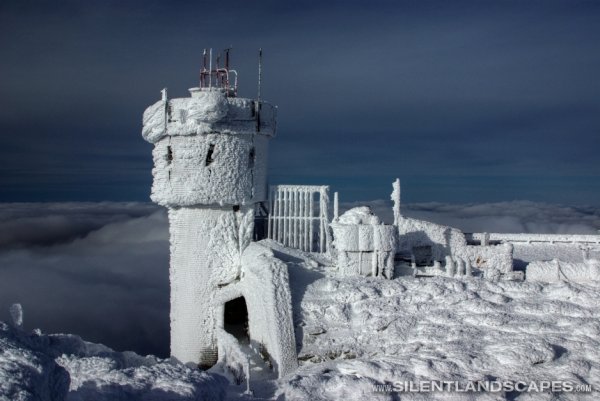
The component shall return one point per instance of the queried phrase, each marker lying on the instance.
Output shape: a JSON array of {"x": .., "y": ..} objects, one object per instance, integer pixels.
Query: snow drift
[{"x": 35, "y": 366}]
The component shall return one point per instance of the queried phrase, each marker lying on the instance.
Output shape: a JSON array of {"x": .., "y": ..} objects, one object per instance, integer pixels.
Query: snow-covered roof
[
  {"x": 207, "y": 111},
  {"x": 358, "y": 215}
]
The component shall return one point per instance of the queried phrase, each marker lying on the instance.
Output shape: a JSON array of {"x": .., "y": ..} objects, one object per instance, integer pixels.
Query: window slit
[
  {"x": 251, "y": 158},
  {"x": 209, "y": 159}
]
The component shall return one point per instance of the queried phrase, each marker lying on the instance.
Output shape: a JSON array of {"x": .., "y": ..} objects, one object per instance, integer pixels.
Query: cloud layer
[
  {"x": 501, "y": 217},
  {"x": 100, "y": 270}
]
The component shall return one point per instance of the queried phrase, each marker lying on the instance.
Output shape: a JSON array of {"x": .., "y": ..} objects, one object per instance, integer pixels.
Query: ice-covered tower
[{"x": 210, "y": 164}]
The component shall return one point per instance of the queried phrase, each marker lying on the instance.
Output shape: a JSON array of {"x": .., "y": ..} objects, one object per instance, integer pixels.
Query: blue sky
[{"x": 465, "y": 101}]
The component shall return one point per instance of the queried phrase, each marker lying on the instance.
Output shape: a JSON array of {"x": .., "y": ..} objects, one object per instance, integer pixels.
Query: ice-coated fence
[{"x": 299, "y": 216}]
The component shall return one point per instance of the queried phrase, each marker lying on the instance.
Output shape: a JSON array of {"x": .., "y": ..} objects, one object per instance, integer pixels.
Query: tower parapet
[{"x": 210, "y": 148}]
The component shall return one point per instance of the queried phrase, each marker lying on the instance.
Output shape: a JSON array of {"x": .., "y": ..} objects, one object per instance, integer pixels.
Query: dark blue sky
[{"x": 464, "y": 101}]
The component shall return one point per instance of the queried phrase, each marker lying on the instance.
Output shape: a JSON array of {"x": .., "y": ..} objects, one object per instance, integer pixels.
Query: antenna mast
[
  {"x": 259, "y": 72},
  {"x": 203, "y": 71},
  {"x": 257, "y": 111},
  {"x": 210, "y": 69}
]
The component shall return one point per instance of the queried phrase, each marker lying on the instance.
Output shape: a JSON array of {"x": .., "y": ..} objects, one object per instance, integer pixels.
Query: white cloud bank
[{"x": 501, "y": 217}]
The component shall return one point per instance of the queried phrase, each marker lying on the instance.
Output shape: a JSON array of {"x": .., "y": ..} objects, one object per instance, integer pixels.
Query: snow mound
[
  {"x": 202, "y": 108},
  {"x": 359, "y": 215},
  {"x": 26, "y": 372},
  {"x": 64, "y": 367}
]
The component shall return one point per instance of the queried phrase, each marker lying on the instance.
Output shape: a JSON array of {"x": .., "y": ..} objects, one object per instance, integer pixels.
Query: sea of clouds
[{"x": 100, "y": 270}]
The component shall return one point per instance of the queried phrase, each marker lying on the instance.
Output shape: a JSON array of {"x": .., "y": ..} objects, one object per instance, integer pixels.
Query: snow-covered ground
[
  {"x": 411, "y": 329},
  {"x": 35, "y": 366},
  {"x": 355, "y": 333}
]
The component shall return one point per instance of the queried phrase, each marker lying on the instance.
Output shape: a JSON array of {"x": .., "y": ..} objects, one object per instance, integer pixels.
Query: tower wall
[
  {"x": 210, "y": 169},
  {"x": 205, "y": 252}
]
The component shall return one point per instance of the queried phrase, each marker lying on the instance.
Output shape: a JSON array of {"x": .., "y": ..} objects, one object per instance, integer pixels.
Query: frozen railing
[
  {"x": 299, "y": 216},
  {"x": 233, "y": 358},
  {"x": 535, "y": 238}
]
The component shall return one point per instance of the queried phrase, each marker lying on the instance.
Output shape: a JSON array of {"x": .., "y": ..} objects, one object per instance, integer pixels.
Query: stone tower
[{"x": 210, "y": 164}]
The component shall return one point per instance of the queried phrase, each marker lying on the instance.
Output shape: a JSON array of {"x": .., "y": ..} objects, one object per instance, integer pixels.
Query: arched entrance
[{"x": 235, "y": 320}]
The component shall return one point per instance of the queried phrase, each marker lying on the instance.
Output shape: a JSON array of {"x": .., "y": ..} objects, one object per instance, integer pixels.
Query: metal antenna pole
[
  {"x": 210, "y": 69},
  {"x": 259, "y": 72},
  {"x": 258, "y": 96},
  {"x": 203, "y": 72}
]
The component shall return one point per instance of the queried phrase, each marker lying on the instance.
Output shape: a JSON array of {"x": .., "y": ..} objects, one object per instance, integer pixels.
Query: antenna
[
  {"x": 203, "y": 72},
  {"x": 257, "y": 105},
  {"x": 259, "y": 72},
  {"x": 210, "y": 69}
]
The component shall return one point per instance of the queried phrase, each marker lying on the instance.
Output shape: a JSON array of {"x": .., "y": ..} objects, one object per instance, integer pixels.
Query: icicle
[
  {"x": 396, "y": 199},
  {"x": 336, "y": 206}
]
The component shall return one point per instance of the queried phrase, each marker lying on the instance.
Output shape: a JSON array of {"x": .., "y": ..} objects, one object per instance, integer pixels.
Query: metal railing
[{"x": 299, "y": 217}]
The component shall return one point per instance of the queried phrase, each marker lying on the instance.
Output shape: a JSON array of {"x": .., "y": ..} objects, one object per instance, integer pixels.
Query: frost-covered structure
[
  {"x": 231, "y": 298},
  {"x": 210, "y": 163},
  {"x": 364, "y": 245},
  {"x": 299, "y": 216},
  {"x": 423, "y": 248}
]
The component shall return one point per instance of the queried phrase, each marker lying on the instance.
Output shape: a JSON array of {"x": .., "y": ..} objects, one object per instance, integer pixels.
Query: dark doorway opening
[{"x": 236, "y": 319}]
